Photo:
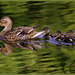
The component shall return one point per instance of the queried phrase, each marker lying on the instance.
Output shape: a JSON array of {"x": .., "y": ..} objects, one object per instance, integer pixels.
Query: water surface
[{"x": 45, "y": 56}]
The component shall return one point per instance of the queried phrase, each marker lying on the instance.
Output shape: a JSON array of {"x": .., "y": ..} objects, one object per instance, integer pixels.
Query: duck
[
  {"x": 58, "y": 36},
  {"x": 47, "y": 34},
  {"x": 18, "y": 33},
  {"x": 69, "y": 37},
  {"x": 70, "y": 33}
]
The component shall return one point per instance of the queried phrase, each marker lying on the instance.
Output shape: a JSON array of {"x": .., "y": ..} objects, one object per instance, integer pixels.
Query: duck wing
[
  {"x": 27, "y": 30},
  {"x": 14, "y": 34},
  {"x": 15, "y": 31}
]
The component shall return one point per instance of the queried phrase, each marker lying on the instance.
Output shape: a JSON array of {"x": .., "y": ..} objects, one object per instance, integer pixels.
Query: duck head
[
  {"x": 70, "y": 33},
  {"x": 46, "y": 30},
  {"x": 57, "y": 34},
  {"x": 46, "y": 33},
  {"x": 7, "y": 23}
]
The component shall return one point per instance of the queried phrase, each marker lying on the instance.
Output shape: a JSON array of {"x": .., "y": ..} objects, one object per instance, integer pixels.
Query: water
[{"x": 38, "y": 56}]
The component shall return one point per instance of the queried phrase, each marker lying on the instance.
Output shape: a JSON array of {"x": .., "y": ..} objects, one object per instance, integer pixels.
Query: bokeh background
[{"x": 56, "y": 15}]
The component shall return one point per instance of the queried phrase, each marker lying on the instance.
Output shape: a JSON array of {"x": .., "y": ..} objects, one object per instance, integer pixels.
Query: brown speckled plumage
[{"x": 12, "y": 34}]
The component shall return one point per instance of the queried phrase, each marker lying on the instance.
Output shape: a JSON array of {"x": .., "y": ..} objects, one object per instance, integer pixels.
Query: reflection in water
[
  {"x": 29, "y": 44},
  {"x": 53, "y": 41},
  {"x": 7, "y": 49},
  {"x": 50, "y": 56},
  {"x": 49, "y": 60}
]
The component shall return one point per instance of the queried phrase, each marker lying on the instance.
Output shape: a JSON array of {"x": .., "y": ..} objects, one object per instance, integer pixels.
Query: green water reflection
[{"x": 49, "y": 58}]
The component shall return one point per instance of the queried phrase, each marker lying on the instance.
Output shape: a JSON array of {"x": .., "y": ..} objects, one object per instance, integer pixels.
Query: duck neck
[{"x": 6, "y": 29}]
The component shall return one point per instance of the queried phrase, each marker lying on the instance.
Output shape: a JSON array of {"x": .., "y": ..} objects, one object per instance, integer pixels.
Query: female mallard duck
[
  {"x": 69, "y": 37},
  {"x": 19, "y": 33},
  {"x": 58, "y": 36}
]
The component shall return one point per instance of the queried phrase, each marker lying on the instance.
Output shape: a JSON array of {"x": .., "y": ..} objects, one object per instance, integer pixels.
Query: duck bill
[{"x": 38, "y": 34}]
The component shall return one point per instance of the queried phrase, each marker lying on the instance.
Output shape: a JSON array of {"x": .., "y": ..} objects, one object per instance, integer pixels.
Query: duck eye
[{"x": 3, "y": 21}]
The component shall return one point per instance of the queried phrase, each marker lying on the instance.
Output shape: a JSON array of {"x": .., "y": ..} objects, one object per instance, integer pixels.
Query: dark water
[{"x": 38, "y": 56}]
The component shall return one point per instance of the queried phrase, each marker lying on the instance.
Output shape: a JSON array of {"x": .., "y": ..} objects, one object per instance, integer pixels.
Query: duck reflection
[
  {"x": 7, "y": 49},
  {"x": 29, "y": 44}
]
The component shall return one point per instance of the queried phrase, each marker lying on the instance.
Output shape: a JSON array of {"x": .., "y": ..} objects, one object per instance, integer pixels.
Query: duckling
[
  {"x": 19, "y": 33},
  {"x": 47, "y": 35},
  {"x": 58, "y": 35},
  {"x": 70, "y": 33},
  {"x": 69, "y": 37}
]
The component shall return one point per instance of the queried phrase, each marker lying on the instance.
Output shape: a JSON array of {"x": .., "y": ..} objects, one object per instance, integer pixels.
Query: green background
[{"x": 51, "y": 59}]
